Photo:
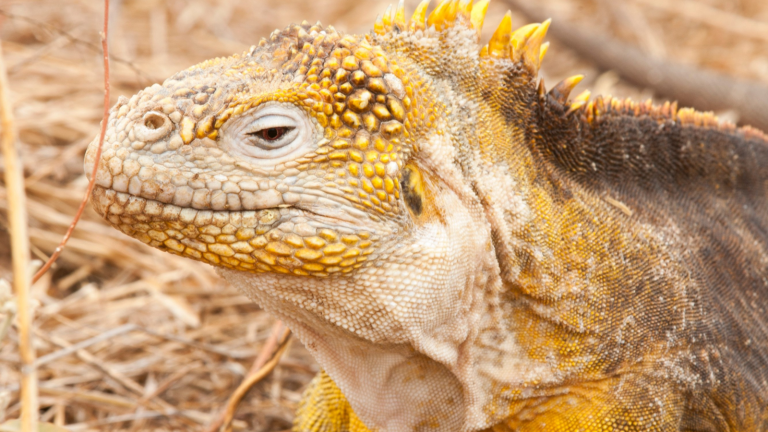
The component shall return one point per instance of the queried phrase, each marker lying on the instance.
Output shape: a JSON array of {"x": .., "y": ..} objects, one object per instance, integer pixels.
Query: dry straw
[{"x": 17, "y": 215}]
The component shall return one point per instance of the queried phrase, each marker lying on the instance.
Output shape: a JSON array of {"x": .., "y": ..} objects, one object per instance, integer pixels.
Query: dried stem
[
  {"x": 97, "y": 158},
  {"x": 17, "y": 215},
  {"x": 266, "y": 361},
  {"x": 252, "y": 380}
]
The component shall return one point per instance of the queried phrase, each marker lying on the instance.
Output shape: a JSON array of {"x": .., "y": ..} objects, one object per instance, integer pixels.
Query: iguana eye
[
  {"x": 270, "y": 134},
  {"x": 272, "y": 131}
]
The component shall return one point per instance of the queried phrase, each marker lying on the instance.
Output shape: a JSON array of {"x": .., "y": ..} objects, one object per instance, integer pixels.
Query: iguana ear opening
[
  {"x": 418, "y": 193},
  {"x": 413, "y": 189}
]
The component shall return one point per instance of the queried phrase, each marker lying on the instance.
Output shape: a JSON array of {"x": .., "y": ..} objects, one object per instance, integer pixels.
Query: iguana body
[{"x": 457, "y": 247}]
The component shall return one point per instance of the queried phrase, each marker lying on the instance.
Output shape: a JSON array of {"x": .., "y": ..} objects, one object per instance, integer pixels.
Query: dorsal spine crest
[{"x": 525, "y": 44}]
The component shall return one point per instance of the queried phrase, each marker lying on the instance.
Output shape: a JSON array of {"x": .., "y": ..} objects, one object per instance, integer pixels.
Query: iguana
[{"x": 460, "y": 248}]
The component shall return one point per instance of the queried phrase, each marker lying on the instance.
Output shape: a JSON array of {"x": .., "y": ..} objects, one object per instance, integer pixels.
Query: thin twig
[
  {"x": 86, "y": 343},
  {"x": 54, "y": 45},
  {"x": 91, "y": 397},
  {"x": 168, "y": 382},
  {"x": 267, "y": 359},
  {"x": 17, "y": 215},
  {"x": 124, "y": 418},
  {"x": 138, "y": 424},
  {"x": 74, "y": 39},
  {"x": 251, "y": 381},
  {"x": 88, "y": 358},
  {"x": 199, "y": 345},
  {"x": 97, "y": 157}
]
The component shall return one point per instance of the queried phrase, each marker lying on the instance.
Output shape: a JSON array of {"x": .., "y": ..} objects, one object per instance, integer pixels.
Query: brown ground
[{"x": 196, "y": 337}]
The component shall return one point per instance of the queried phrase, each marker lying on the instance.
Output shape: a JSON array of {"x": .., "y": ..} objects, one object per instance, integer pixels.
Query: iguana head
[{"x": 330, "y": 175}]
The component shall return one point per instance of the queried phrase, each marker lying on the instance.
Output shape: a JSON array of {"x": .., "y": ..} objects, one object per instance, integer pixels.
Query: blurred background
[{"x": 197, "y": 337}]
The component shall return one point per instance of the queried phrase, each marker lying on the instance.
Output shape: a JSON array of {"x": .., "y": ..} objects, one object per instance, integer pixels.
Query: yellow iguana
[{"x": 458, "y": 247}]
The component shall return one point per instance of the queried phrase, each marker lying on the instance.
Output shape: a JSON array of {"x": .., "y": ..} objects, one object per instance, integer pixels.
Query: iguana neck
[{"x": 424, "y": 372}]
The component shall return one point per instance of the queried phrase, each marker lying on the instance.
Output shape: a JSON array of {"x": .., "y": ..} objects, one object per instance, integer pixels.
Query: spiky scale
[
  {"x": 419, "y": 16},
  {"x": 387, "y": 18},
  {"x": 533, "y": 46},
  {"x": 583, "y": 96},
  {"x": 437, "y": 16},
  {"x": 579, "y": 101},
  {"x": 562, "y": 90},
  {"x": 450, "y": 13},
  {"x": 498, "y": 46},
  {"x": 399, "y": 19},
  {"x": 522, "y": 34},
  {"x": 518, "y": 39},
  {"x": 378, "y": 26},
  {"x": 543, "y": 51},
  {"x": 477, "y": 16},
  {"x": 465, "y": 9}
]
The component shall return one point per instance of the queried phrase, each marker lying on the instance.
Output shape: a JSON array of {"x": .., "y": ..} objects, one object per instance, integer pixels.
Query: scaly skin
[{"x": 457, "y": 247}]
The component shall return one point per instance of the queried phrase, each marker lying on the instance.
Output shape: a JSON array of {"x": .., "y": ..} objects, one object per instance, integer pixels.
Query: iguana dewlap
[{"x": 459, "y": 248}]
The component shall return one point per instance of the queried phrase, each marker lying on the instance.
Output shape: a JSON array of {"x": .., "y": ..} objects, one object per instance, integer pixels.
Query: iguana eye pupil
[{"x": 273, "y": 133}]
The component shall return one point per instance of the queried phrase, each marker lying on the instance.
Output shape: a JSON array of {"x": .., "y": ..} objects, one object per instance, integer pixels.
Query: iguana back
[{"x": 691, "y": 194}]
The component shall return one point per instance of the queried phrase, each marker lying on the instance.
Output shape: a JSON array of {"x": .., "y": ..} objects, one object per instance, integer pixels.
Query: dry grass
[{"x": 142, "y": 340}]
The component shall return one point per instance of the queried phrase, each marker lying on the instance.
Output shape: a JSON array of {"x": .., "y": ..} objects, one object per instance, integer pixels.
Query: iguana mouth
[{"x": 283, "y": 239}]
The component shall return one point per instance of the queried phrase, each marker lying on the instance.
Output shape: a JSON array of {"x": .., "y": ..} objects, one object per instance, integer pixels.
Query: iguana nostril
[
  {"x": 153, "y": 126},
  {"x": 153, "y": 120}
]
